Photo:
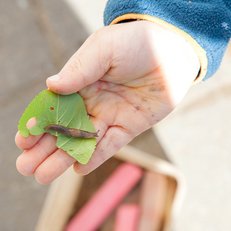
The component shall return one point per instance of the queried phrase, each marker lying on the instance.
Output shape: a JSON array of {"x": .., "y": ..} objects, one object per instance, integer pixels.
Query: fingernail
[
  {"x": 54, "y": 78},
  {"x": 31, "y": 123}
]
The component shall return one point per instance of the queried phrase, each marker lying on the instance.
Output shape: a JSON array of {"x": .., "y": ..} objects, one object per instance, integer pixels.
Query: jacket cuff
[{"x": 198, "y": 26}]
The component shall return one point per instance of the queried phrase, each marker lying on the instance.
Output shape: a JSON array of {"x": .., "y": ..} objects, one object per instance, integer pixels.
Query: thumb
[{"x": 86, "y": 66}]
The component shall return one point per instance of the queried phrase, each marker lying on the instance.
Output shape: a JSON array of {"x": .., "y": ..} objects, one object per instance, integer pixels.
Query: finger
[
  {"x": 59, "y": 161},
  {"x": 86, "y": 66},
  {"x": 29, "y": 160},
  {"x": 53, "y": 167},
  {"x": 27, "y": 142},
  {"x": 114, "y": 139}
]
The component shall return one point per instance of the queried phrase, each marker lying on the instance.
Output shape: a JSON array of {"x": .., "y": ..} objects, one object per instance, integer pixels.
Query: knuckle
[
  {"x": 41, "y": 177},
  {"x": 22, "y": 167},
  {"x": 77, "y": 66}
]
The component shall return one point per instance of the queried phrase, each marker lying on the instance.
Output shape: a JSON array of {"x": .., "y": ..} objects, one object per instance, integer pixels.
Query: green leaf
[{"x": 66, "y": 110}]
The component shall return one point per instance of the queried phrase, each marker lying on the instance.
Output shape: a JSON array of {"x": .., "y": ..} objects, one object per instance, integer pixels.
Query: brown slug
[{"x": 71, "y": 132}]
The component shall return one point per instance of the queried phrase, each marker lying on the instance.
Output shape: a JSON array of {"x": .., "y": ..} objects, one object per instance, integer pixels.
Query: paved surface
[{"x": 36, "y": 39}]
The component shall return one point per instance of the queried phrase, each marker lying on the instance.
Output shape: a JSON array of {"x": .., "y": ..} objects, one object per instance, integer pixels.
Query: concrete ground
[{"x": 36, "y": 39}]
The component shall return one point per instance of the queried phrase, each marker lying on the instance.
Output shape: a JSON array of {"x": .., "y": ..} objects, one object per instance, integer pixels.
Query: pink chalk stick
[
  {"x": 127, "y": 217},
  {"x": 107, "y": 197}
]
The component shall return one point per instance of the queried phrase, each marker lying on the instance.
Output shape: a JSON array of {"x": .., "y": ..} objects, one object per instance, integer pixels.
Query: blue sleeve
[{"x": 207, "y": 22}]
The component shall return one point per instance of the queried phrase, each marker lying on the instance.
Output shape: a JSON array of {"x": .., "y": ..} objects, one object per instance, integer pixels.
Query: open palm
[{"x": 130, "y": 77}]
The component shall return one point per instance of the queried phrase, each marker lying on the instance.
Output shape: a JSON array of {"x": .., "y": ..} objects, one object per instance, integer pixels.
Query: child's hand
[{"x": 131, "y": 76}]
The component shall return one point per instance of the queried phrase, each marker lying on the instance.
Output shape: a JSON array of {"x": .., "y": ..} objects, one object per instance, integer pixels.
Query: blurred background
[{"x": 36, "y": 38}]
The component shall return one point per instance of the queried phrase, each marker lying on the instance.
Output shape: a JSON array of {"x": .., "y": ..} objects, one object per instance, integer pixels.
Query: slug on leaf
[{"x": 71, "y": 132}]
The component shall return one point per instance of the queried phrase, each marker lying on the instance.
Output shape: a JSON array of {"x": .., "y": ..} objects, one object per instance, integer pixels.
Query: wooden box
[{"x": 65, "y": 193}]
